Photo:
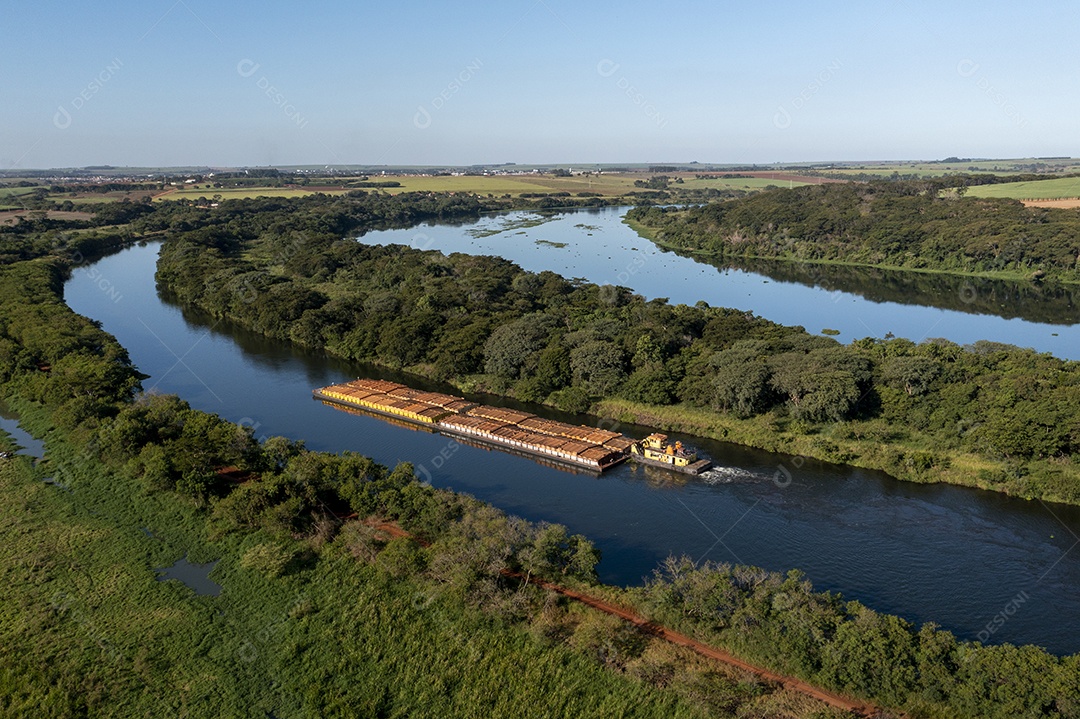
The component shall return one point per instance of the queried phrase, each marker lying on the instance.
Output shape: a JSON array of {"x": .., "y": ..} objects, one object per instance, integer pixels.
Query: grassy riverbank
[
  {"x": 87, "y": 630},
  {"x": 852, "y": 443}
]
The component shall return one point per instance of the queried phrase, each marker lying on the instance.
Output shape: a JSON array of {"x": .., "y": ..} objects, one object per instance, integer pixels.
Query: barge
[
  {"x": 657, "y": 451},
  {"x": 576, "y": 445}
]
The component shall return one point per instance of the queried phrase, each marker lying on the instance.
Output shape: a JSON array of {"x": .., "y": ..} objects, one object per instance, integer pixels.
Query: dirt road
[
  {"x": 835, "y": 700},
  {"x": 670, "y": 635}
]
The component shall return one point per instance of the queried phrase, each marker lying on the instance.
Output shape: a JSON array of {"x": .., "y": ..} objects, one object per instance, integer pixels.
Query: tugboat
[{"x": 656, "y": 450}]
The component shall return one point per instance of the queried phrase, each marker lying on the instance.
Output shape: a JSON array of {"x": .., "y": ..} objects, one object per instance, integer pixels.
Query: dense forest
[
  {"x": 914, "y": 225},
  {"x": 324, "y": 614},
  {"x": 991, "y": 415}
]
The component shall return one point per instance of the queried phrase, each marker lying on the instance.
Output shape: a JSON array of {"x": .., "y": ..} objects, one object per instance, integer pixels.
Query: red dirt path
[
  {"x": 657, "y": 630},
  {"x": 835, "y": 700},
  {"x": 1066, "y": 203}
]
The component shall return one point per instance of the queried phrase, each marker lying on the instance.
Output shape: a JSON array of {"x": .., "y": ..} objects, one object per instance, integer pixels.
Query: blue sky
[{"x": 193, "y": 82}]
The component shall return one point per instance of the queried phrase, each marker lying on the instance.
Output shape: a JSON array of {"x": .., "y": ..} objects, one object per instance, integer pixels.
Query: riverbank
[
  {"x": 865, "y": 444},
  {"x": 651, "y": 627},
  {"x": 655, "y": 235},
  {"x": 838, "y": 444},
  {"x": 88, "y": 627}
]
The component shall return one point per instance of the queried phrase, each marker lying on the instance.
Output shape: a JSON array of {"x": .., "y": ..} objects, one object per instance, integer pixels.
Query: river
[
  {"x": 596, "y": 245},
  {"x": 962, "y": 558}
]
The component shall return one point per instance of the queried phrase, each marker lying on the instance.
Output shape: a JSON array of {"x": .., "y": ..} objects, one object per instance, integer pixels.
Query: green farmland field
[
  {"x": 741, "y": 183},
  {"x": 1038, "y": 190},
  {"x": 611, "y": 185},
  {"x": 937, "y": 169},
  {"x": 9, "y": 195},
  {"x": 239, "y": 193}
]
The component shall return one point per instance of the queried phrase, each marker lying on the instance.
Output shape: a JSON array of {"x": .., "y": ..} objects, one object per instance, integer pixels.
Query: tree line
[{"x": 909, "y": 224}]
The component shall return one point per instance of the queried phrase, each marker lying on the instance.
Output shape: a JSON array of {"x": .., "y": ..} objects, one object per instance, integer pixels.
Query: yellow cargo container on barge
[{"x": 577, "y": 445}]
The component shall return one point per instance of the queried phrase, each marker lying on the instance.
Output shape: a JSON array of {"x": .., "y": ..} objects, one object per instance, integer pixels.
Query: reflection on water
[
  {"x": 1048, "y": 303},
  {"x": 26, "y": 444},
  {"x": 597, "y": 246},
  {"x": 195, "y": 576}
]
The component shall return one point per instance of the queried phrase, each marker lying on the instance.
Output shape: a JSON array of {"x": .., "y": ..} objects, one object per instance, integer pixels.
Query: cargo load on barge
[{"x": 587, "y": 447}]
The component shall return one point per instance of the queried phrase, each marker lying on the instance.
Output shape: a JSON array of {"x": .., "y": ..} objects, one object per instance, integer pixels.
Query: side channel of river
[{"x": 596, "y": 245}]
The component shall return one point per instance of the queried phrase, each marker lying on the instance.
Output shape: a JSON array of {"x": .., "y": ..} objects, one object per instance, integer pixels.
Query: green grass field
[
  {"x": 238, "y": 193},
  {"x": 607, "y": 184},
  {"x": 1038, "y": 190},
  {"x": 85, "y": 200},
  {"x": 513, "y": 184},
  {"x": 936, "y": 169},
  {"x": 6, "y": 192},
  {"x": 9, "y": 195},
  {"x": 739, "y": 183}
]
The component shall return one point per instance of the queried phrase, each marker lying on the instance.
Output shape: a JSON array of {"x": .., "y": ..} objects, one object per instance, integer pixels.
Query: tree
[
  {"x": 459, "y": 349},
  {"x": 740, "y": 381},
  {"x": 872, "y": 655},
  {"x": 153, "y": 467},
  {"x": 571, "y": 399},
  {"x": 815, "y": 391},
  {"x": 553, "y": 553},
  {"x": 599, "y": 366},
  {"x": 647, "y": 355},
  {"x": 547, "y": 554},
  {"x": 652, "y": 386},
  {"x": 510, "y": 346},
  {"x": 405, "y": 342},
  {"x": 911, "y": 374},
  {"x": 936, "y": 656},
  {"x": 584, "y": 556},
  {"x": 196, "y": 485}
]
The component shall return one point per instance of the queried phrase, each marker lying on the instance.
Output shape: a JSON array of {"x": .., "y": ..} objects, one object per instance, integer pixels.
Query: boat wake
[{"x": 727, "y": 475}]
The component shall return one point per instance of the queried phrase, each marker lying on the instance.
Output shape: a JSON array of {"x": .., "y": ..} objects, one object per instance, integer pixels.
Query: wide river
[{"x": 962, "y": 558}]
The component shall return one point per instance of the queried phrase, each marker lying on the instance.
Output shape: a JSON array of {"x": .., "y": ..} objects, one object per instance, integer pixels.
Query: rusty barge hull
[{"x": 575, "y": 446}]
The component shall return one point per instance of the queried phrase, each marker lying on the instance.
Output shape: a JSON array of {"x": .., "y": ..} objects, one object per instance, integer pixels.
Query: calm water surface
[
  {"x": 195, "y": 577},
  {"x": 596, "y": 245},
  {"x": 26, "y": 443},
  {"x": 944, "y": 554}
]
